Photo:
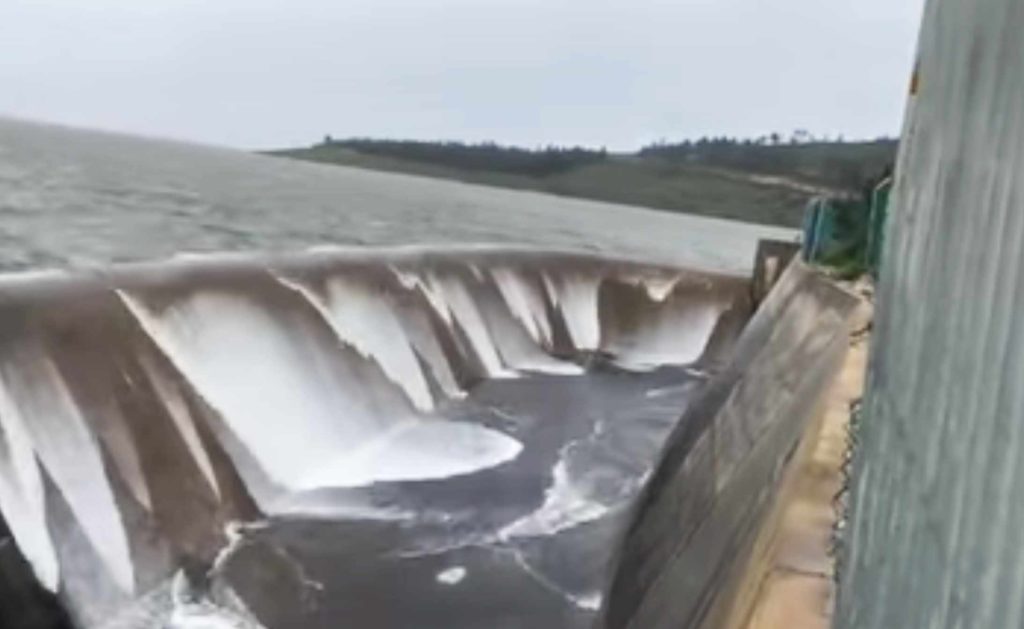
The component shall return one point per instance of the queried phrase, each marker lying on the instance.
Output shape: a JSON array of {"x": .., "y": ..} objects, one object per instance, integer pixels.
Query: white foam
[
  {"x": 193, "y": 610},
  {"x": 451, "y": 576},
  {"x": 659, "y": 288},
  {"x": 314, "y": 505},
  {"x": 565, "y": 506},
  {"x": 542, "y": 363},
  {"x": 310, "y": 422},
  {"x": 663, "y": 391},
  {"x": 590, "y": 601},
  {"x": 425, "y": 450},
  {"x": 272, "y": 384}
]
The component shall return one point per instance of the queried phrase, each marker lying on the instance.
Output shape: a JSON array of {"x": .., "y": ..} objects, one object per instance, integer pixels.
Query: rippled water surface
[{"x": 80, "y": 198}]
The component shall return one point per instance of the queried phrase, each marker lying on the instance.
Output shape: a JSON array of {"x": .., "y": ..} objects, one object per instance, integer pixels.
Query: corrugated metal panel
[{"x": 937, "y": 514}]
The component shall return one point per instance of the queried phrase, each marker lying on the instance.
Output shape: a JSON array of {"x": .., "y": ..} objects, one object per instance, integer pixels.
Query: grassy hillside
[
  {"x": 664, "y": 177},
  {"x": 836, "y": 165}
]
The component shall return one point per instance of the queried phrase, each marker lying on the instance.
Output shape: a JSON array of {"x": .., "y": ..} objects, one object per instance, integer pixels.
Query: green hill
[
  {"x": 846, "y": 166},
  {"x": 744, "y": 181}
]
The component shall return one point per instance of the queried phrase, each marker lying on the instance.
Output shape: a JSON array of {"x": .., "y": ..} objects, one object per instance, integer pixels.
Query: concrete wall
[
  {"x": 692, "y": 534},
  {"x": 937, "y": 505}
]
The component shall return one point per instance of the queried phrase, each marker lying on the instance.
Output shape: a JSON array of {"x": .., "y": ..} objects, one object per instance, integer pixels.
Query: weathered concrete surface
[
  {"x": 793, "y": 581},
  {"x": 936, "y": 537},
  {"x": 682, "y": 560},
  {"x": 770, "y": 262}
]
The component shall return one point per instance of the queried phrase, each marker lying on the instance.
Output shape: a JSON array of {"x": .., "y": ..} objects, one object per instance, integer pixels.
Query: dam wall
[
  {"x": 149, "y": 412},
  {"x": 478, "y": 434},
  {"x": 692, "y": 532}
]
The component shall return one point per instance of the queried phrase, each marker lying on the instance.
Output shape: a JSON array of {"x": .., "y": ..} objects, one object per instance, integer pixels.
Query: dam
[{"x": 551, "y": 414}]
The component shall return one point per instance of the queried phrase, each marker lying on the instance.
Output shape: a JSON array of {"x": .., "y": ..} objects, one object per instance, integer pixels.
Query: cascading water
[{"x": 360, "y": 438}]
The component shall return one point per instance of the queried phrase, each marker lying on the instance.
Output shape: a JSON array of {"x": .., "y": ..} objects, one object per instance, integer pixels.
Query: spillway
[
  {"x": 390, "y": 437},
  {"x": 583, "y": 425}
]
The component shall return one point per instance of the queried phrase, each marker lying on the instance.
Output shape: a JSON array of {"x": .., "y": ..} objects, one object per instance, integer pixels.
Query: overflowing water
[{"x": 431, "y": 428}]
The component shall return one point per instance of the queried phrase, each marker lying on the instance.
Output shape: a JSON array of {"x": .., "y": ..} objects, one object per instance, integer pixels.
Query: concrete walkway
[{"x": 797, "y": 591}]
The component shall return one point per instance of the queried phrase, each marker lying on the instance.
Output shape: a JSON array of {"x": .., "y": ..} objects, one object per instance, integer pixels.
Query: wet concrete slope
[
  {"x": 680, "y": 563},
  {"x": 384, "y": 438}
]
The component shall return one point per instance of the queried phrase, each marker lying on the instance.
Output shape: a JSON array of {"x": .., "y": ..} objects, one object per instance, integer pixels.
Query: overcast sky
[{"x": 618, "y": 73}]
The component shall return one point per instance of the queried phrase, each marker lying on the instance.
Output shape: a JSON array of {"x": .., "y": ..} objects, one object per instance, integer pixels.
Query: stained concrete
[{"x": 794, "y": 583}]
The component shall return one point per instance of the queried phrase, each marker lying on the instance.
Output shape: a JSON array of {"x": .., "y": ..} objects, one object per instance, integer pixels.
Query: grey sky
[{"x": 264, "y": 73}]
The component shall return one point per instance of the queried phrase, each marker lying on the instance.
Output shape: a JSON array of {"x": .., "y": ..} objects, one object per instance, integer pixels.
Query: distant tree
[{"x": 486, "y": 156}]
